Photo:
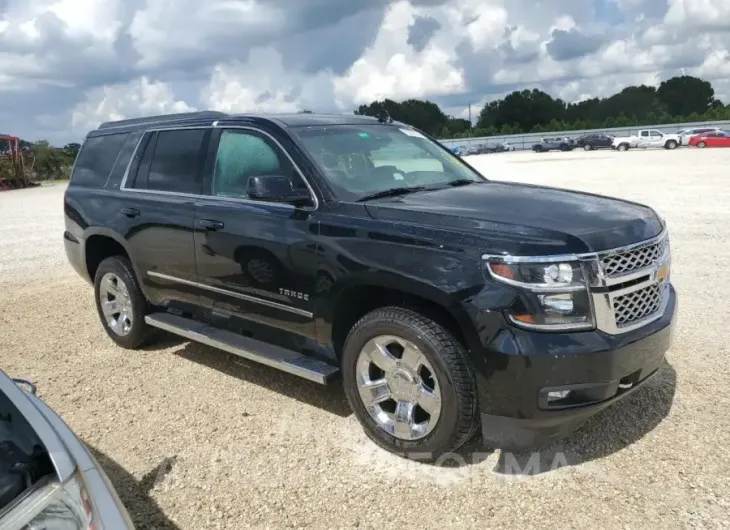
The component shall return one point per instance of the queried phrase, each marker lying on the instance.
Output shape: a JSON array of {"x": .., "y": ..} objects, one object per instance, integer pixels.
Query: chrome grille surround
[
  {"x": 629, "y": 286},
  {"x": 637, "y": 305},
  {"x": 644, "y": 267},
  {"x": 618, "y": 263}
]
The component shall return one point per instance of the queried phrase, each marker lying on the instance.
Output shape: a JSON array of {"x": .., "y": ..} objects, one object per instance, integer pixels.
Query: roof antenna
[{"x": 384, "y": 117}]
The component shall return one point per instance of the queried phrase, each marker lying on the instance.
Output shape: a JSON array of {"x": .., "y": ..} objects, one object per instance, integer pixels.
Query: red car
[{"x": 711, "y": 139}]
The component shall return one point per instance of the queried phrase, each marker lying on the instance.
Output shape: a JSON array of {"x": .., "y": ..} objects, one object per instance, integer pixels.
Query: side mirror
[{"x": 275, "y": 188}]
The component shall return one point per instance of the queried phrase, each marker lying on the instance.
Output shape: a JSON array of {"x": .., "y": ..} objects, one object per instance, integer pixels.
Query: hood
[{"x": 526, "y": 219}]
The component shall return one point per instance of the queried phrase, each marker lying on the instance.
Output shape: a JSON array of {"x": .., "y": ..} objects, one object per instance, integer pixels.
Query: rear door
[
  {"x": 256, "y": 261},
  {"x": 162, "y": 183},
  {"x": 644, "y": 139}
]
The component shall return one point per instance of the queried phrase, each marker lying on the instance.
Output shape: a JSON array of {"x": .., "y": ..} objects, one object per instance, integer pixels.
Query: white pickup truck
[{"x": 646, "y": 138}]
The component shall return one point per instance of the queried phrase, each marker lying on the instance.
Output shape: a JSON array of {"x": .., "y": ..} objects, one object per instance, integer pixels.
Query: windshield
[{"x": 363, "y": 160}]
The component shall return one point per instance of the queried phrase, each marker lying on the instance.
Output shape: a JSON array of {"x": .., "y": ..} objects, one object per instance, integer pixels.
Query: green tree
[{"x": 686, "y": 94}]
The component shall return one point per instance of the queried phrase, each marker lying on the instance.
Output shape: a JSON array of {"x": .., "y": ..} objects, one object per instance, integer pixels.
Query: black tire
[
  {"x": 587, "y": 147},
  {"x": 459, "y": 418},
  {"x": 671, "y": 144},
  {"x": 701, "y": 145},
  {"x": 139, "y": 331},
  {"x": 623, "y": 147}
]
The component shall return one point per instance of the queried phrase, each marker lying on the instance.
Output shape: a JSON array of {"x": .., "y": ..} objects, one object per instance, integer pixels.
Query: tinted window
[
  {"x": 175, "y": 164},
  {"x": 125, "y": 155},
  {"x": 244, "y": 154},
  {"x": 96, "y": 159}
]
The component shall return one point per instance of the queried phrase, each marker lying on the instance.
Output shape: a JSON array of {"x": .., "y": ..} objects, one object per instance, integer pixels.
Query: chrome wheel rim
[
  {"x": 116, "y": 304},
  {"x": 398, "y": 387}
]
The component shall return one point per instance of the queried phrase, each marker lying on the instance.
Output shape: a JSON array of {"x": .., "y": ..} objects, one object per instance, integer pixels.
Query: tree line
[
  {"x": 42, "y": 160},
  {"x": 676, "y": 100},
  {"x": 679, "y": 99}
]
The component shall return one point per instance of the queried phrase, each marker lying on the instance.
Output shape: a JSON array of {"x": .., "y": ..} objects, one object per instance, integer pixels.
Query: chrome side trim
[
  {"x": 281, "y": 147},
  {"x": 234, "y": 294},
  {"x": 215, "y": 125}
]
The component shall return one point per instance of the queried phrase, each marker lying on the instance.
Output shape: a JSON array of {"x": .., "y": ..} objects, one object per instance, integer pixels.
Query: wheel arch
[
  {"x": 100, "y": 243},
  {"x": 355, "y": 300}
]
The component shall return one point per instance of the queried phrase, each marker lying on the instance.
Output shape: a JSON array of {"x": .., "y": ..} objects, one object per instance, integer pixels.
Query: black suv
[
  {"x": 595, "y": 141},
  {"x": 335, "y": 246}
]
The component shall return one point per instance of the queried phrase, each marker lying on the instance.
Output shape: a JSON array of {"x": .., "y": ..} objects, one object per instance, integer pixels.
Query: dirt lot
[{"x": 195, "y": 438}]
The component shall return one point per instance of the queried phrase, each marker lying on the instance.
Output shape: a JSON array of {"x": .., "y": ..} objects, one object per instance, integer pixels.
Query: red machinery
[{"x": 18, "y": 176}]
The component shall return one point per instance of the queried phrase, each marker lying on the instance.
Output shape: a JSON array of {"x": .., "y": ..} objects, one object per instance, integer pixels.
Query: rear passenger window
[
  {"x": 96, "y": 159},
  {"x": 125, "y": 155},
  {"x": 175, "y": 161}
]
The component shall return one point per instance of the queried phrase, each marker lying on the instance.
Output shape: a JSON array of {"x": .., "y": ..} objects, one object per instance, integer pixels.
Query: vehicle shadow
[
  {"x": 608, "y": 432},
  {"x": 135, "y": 494},
  {"x": 330, "y": 398}
]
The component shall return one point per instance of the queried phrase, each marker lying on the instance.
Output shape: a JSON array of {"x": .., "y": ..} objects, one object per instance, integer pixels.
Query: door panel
[
  {"x": 160, "y": 211},
  {"x": 256, "y": 260}
]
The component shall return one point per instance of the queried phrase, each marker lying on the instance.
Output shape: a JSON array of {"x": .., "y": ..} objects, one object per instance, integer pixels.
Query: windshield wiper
[
  {"x": 462, "y": 182},
  {"x": 392, "y": 192}
]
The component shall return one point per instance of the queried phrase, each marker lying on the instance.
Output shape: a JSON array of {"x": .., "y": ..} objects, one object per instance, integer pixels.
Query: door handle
[
  {"x": 210, "y": 224},
  {"x": 130, "y": 212}
]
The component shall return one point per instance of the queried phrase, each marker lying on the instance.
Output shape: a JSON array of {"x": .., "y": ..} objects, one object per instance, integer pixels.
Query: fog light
[{"x": 557, "y": 395}]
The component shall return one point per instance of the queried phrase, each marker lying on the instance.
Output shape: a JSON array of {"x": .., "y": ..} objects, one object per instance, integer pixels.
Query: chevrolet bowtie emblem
[{"x": 662, "y": 273}]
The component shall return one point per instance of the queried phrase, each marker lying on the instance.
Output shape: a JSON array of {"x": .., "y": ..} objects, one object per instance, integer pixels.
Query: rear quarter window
[{"x": 96, "y": 159}]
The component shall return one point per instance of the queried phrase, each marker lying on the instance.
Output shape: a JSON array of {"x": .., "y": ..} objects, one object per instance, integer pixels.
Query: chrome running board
[{"x": 254, "y": 350}]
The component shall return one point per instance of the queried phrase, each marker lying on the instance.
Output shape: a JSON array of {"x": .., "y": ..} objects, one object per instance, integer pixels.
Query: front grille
[
  {"x": 634, "y": 259},
  {"x": 637, "y": 305}
]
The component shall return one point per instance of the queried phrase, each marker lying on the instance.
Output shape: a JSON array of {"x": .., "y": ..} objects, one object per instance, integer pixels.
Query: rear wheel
[
  {"x": 701, "y": 145},
  {"x": 587, "y": 147},
  {"x": 120, "y": 303},
  {"x": 409, "y": 383}
]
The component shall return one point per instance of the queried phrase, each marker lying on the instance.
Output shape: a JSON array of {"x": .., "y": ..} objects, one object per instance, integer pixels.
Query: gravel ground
[{"x": 195, "y": 438}]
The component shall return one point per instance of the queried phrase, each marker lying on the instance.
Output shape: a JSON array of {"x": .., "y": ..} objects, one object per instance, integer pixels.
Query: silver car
[{"x": 48, "y": 478}]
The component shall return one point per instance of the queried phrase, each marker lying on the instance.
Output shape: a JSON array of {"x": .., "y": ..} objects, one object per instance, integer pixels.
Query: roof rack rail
[{"x": 164, "y": 118}]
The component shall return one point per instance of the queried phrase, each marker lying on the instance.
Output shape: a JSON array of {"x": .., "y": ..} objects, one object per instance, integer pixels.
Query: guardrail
[{"x": 526, "y": 141}]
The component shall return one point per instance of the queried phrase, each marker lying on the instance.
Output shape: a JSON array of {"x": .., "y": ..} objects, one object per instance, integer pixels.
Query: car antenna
[{"x": 384, "y": 117}]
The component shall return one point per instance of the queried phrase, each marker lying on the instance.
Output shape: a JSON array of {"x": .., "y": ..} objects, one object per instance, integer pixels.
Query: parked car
[
  {"x": 48, "y": 478},
  {"x": 560, "y": 143},
  {"x": 458, "y": 150},
  {"x": 711, "y": 139},
  {"x": 685, "y": 134},
  {"x": 646, "y": 138},
  {"x": 595, "y": 141},
  {"x": 442, "y": 301}
]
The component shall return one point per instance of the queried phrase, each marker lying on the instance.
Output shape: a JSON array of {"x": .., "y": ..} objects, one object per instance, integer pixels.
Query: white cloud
[
  {"x": 263, "y": 84},
  {"x": 65, "y": 65},
  {"x": 136, "y": 98}
]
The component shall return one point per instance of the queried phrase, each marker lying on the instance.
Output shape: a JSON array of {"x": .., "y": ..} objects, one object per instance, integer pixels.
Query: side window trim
[
  {"x": 210, "y": 168},
  {"x": 211, "y": 151},
  {"x": 141, "y": 149}
]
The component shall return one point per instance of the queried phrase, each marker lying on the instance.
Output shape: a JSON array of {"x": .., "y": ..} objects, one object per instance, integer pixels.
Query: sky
[{"x": 67, "y": 65}]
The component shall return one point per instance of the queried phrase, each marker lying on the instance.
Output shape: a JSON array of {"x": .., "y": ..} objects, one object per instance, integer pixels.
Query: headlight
[
  {"x": 553, "y": 293},
  {"x": 61, "y": 507}
]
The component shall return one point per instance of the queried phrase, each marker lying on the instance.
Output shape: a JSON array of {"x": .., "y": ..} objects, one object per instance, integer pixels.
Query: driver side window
[{"x": 243, "y": 154}]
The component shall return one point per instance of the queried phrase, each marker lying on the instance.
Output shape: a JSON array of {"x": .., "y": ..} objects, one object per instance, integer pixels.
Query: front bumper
[{"x": 598, "y": 368}]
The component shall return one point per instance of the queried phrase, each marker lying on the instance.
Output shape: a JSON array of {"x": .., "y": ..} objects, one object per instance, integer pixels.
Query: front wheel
[
  {"x": 120, "y": 303},
  {"x": 623, "y": 147},
  {"x": 587, "y": 147},
  {"x": 701, "y": 145},
  {"x": 671, "y": 144},
  {"x": 409, "y": 383}
]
